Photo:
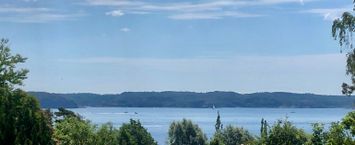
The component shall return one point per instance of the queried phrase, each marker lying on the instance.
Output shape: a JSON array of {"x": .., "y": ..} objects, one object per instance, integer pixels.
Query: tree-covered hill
[{"x": 193, "y": 99}]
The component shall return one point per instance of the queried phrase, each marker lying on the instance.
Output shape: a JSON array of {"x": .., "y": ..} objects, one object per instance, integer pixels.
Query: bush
[{"x": 186, "y": 133}]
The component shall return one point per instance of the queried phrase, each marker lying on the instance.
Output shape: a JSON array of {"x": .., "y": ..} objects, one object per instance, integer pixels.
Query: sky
[{"x": 113, "y": 46}]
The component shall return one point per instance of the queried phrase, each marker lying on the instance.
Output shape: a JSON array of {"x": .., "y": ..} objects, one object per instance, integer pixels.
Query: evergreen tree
[{"x": 218, "y": 125}]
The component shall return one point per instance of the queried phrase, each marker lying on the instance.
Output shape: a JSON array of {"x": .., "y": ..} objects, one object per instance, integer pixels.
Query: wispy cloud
[
  {"x": 115, "y": 13},
  {"x": 34, "y": 15},
  {"x": 329, "y": 14},
  {"x": 193, "y": 10},
  {"x": 11, "y": 9}
]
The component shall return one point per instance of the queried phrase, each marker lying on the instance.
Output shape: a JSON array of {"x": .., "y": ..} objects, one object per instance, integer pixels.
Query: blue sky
[{"x": 112, "y": 46}]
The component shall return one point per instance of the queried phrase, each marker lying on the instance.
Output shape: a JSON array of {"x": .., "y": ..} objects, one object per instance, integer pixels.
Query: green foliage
[
  {"x": 349, "y": 122},
  {"x": 337, "y": 135},
  {"x": 64, "y": 113},
  {"x": 107, "y": 135},
  {"x": 9, "y": 75},
  {"x": 217, "y": 139},
  {"x": 186, "y": 133},
  {"x": 73, "y": 131},
  {"x": 342, "y": 30},
  {"x": 284, "y": 132},
  {"x": 133, "y": 133},
  {"x": 22, "y": 122},
  {"x": 318, "y": 136},
  {"x": 263, "y": 131},
  {"x": 231, "y": 135}
]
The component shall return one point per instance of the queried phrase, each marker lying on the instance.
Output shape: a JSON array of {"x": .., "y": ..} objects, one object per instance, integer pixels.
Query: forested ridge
[{"x": 193, "y": 99}]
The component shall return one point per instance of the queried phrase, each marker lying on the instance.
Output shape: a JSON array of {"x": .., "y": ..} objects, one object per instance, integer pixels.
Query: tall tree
[
  {"x": 21, "y": 119},
  {"x": 218, "y": 124},
  {"x": 342, "y": 30}
]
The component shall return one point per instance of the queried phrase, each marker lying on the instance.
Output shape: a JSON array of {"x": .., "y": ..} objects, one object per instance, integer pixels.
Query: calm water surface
[{"x": 157, "y": 120}]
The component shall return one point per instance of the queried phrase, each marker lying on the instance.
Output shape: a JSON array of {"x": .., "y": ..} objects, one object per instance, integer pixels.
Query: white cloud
[
  {"x": 329, "y": 14},
  {"x": 125, "y": 29},
  {"x": 115, "y": 13},
  {"x": 191, "y": 10},
  {"x": 211, "y": 15}
]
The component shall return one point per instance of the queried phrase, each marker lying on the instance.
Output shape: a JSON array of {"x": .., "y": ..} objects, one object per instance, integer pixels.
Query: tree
[
  {"x": 133, "y": 133},
  {"x": 231, "y": 135},
  {"x": 284, "y": 132},
  {"x": 318, "y": 136},
  {"x": 349, "y": 122},
  {"x": 338, "y": 135},
  {"x": 73, "y": 131},
  {"x": 107, "y": 135},
  {"x": 218, "y": 125},
  {"x": 186, "y": 133},
  {"x": 64, "y": 113},
  {"x": 263, "y": 131},
  {"x": 217, "y": 139},
  {"x": 9, "y": 75},
  {"x": 21, "y": 119},
  {"x": 342, "y": 30}
]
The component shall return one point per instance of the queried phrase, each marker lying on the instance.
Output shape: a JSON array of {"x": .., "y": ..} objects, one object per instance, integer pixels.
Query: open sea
[{"x": 157, "y": 120}]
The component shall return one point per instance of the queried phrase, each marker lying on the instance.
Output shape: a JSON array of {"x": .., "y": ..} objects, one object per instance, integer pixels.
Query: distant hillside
[{"x": 192, "y": 99}]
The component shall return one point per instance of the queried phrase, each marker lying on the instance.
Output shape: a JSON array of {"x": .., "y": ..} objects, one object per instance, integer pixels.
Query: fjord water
[{"x": 157, "y": 120}]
